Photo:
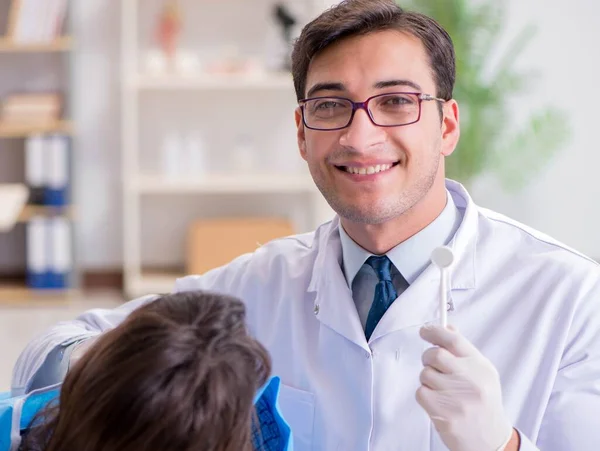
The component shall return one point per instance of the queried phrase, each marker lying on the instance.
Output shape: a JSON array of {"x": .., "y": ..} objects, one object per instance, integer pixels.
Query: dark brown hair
[
  {"x": 180, "y": 373},
  {"x": 360, "y": 17}
]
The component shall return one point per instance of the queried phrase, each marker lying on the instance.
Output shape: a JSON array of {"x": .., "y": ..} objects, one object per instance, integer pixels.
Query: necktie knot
[
  {"x": 382, "y": 266},
  {"x": 385, "y": 293}
]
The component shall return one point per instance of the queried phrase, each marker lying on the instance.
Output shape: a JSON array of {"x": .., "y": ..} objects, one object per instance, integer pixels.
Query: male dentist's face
[{"x": 408, "y": 157}]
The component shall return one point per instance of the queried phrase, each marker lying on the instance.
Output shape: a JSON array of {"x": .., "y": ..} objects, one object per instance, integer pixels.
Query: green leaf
[{"x": 530, "y": 148}]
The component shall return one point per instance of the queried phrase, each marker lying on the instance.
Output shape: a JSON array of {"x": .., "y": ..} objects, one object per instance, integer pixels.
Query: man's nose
[{"x": 362, "y": 133}]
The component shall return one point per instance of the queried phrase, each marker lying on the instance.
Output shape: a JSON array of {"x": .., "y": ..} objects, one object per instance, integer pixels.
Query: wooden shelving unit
[
  {"x": 24, "y": 130},
  {"x": 62, "y": 44},
  {"x": 140, "y": 187},
  {"x": 31, "y": 34},
  {"x": 41, "y": 210},
  {"x": 17, "y": 295}
]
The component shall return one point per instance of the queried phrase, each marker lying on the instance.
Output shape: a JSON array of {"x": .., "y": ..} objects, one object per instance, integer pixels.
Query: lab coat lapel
[
  {"x": 419, "y": 303},
  {"x": 333, "y": 305}
]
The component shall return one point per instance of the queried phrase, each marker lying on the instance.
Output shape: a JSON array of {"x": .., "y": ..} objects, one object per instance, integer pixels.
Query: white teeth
[{"x": 368, "y": 170}]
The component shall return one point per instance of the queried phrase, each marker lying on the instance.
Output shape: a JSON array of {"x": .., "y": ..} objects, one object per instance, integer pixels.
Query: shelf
[
  {"x": 290, "y": 193},
  {"x": 29, "y": 211},
  {"x": 224, "y": 184},
  {"x": 9, "y": 130},
  {"x": 263, "y": 81},
  {"x": 61, "y": 44},
  {"x": 15, "y": 294},
  {"x": 152, "y": 283}
]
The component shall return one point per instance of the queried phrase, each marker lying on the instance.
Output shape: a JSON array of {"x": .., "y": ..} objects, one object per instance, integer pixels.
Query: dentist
[{"x": 347, "y": 312}]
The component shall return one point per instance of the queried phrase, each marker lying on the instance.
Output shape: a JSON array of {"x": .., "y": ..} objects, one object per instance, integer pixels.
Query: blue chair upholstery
[{"x": 16, "y": 414}]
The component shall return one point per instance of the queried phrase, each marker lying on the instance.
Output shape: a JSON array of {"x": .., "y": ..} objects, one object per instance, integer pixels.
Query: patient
[{"x": 180, "y": 373}]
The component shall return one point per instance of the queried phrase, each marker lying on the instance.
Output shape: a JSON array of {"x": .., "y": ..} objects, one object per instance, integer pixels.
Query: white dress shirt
[{"x": 409, "y": 258}]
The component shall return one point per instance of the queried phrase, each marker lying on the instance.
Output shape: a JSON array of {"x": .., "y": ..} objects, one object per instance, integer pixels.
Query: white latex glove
[{"x": 460, "y": 391}]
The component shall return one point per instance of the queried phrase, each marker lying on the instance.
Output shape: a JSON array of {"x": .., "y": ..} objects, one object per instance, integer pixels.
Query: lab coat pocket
[{"x": 298, "y": 409}]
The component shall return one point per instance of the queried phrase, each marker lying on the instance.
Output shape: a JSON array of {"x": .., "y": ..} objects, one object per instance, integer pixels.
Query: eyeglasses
[{"x": 392, "y": 109}]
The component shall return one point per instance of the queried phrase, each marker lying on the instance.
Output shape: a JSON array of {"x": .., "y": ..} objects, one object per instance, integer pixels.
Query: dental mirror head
[{"x": 442, "y": 257}]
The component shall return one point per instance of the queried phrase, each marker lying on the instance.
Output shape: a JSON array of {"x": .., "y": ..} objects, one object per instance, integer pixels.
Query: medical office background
[{"x": 168, "y": 153}]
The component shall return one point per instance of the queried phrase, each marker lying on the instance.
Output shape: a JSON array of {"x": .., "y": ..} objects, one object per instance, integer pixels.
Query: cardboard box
[{"x": 214, "y": 242}]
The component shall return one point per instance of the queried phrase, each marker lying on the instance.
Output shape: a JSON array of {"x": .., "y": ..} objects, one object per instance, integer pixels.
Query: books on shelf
[
  {"x": 36, "y": 21},
  {"x": 49, "y": 253},
  {"x": 47, "y": 169},
  {"x": 31, "y": 108}
]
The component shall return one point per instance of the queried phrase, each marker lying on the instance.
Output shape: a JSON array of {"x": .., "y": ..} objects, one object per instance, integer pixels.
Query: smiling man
[
  {"x": 378, "y": 162},
  {"x": 347, "y": 311}
]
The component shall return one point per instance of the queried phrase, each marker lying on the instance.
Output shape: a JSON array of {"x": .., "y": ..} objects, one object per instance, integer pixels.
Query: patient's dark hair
[{"x": 180, "y": 373}]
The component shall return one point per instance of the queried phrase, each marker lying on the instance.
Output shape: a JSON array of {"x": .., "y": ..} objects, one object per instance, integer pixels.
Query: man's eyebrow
[
  {"x": 327, "y": 86},
  {"x": 392, "y": 83},
  {"x": 335, "y": 86}
]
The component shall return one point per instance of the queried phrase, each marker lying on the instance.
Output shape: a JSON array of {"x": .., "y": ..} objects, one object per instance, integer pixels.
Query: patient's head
[{"x": 180, "y": 374}]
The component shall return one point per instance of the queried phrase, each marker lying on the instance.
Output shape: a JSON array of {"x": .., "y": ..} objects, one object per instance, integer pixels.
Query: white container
[
  {"x": 187, "y": 63},
  {"x": 58, "y": 162},
  {"x": 244, "y": 156},
  {"x": 35, "y": 162},
  {"x": 155, "y": 62},
  {"x": 195, "y": 155},
  {"x": 171, "y": 155},
  {"x": 60, "y": 255},
  {"x": 38, "y": 261}
]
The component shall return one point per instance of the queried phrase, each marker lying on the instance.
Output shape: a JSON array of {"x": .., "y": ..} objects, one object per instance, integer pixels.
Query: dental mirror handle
[
  {"x": 444, "y": 298},
  {"x": 443, "y": 257}
]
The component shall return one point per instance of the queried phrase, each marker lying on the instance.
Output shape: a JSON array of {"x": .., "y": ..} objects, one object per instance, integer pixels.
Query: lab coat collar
[
  {"x": 410, "y": 257},
  {"x": 334, "y": 305},
  {"x": 418, "y": 305},
  {"x": 464, "y": 243}
]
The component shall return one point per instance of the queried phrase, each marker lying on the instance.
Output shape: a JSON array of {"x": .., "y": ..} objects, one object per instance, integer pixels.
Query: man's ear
[
  {"x": 300, "y": 133},
  {"x": 450, "y": 127}
]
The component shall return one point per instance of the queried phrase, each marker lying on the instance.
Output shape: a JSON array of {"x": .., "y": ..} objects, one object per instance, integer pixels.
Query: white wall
[
  {"x": 96, "y": 103},
  {"x": 563, "y": 199},
  {"x": 560, "y": 201}
]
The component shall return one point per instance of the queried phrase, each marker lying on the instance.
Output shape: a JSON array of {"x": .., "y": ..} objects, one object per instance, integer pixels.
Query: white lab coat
[{"x": 528, "y": 303}]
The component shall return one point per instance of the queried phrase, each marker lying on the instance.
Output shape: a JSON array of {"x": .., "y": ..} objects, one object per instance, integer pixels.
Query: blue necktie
[{"x": 385, "y": 293}]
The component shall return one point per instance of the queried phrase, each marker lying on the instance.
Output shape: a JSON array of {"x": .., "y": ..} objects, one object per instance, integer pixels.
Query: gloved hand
[{"x": 460, "y": 391}]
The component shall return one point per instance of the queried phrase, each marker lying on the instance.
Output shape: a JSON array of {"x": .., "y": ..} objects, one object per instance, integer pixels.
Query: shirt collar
[{"x": 410, "y": 257}]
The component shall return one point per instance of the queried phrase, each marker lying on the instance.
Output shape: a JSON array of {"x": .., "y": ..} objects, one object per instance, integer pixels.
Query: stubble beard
[{"x": 386, "y": 209}]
